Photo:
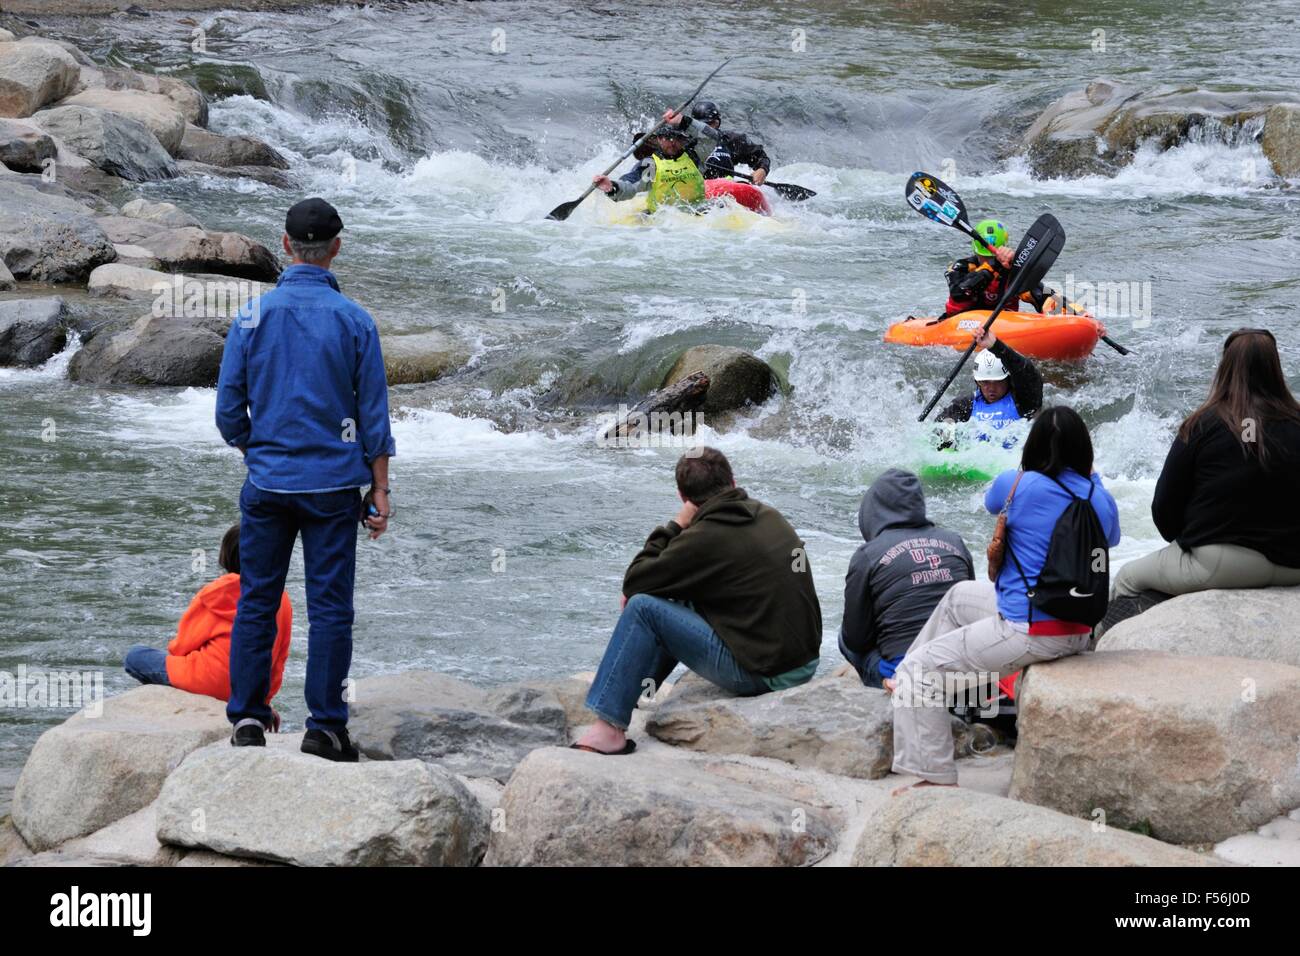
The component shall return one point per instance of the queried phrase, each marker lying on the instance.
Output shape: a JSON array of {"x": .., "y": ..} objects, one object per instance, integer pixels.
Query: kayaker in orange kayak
[
  {"x": 1008, "y": 388},
  {"x": 977, "y": 281}
]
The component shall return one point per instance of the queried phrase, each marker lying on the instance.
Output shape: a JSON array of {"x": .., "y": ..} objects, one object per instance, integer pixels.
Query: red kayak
[{"x": 747, "y": 194}]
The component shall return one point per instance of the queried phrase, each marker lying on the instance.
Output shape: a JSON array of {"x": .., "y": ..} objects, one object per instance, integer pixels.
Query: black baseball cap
[{"x": 313, "y": 220}]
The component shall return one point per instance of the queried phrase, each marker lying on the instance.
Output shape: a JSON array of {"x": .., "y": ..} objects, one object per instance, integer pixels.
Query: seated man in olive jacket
[{"x": 724, "y": 588}]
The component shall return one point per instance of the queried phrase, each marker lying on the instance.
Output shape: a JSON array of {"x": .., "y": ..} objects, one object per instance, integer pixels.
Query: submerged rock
[
  {"x": 422, "y": 357},
  {"x": 109, "y": 141},
  {"x": 1191, "y": 749},
  {"x": 49, "y": 238},
  {"x": 564, "y": 807},
  {"x": 275, "y": 803},
  {"x": 34, "y": 72},
  {"x": 735, "y": 377},
  {"x": 91, "y": 771},
  {"x": 941, "y": 826},
  {"x": 32, "y": 330}
]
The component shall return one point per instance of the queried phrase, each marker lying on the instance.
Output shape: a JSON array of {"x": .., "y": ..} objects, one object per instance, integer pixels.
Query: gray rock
[
  {"x": 268, "y": 175},
  {"x": 277, "y": 804},
  {"x": 1189, "y": 749},
  {"x": 228, "y": 253},
  {"x": 109, "y": 141},
  {"x": 124, "y": 229},
  {"x": 116, "y": 761},
  {"x": 568, "y": 808},
  {"x": 133, "y": 841},
  {"x": 34, "y": 72},
  {"x": 24, "y": 147},
  {"x": 47, "y": 238},
  {"x": 206, "y": 858},
  {"x": 941, "y": 826},
  {"x": 31, "y": 330},
  {"x": 165, "y": 214},
  {"x": 571, "y": 692},
  {"x": 7, "y": 280},
  {"x": 1257, "y": 623},
  {"x": 1281, "y": 139},
  {"x": 12, "y": 845},
  {"x": 215, "y": 149},
  {"x": 468, "y": 730},
  {"x": 192, "y": 104},
  {"x": 736, "y": 377},
  {"x": 158, "y": 113},
  {"x": 423, "y": 357},
  {"x": 154, "y": 351}
]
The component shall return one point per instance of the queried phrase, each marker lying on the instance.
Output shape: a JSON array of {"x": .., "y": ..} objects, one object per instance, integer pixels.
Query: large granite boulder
[
  {"x": 466, "y": 729},
  {"x": 1281, "y": 139},
  {"x": 275, "y": 803},
  {"x": 1190, "y": 749},
  {"x": 49, "y": 238},
  {"x": 565, "y": 807},
  {"x": 190, "y": 249},
  {"x": 109, "y": 141},
  {"x": 203, "y": 146},
  {"x": 91, "y": 771},
  {"x": 157, "y": 350},
  {"x": 1259, "y": 623},
  {"x": 950, "y": 826},
  {"x": 192, "y": 104},
  {"x": 31, "y": 330},
  {"x": 34, "y": 72},
  {"x": 25, "y": 147},
  {"x": 736, "y": 377},
  {"x": 158, "y": 113}
]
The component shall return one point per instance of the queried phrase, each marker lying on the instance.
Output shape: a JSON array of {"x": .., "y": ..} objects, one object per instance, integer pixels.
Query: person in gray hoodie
[{"x": 897, "y": 577}]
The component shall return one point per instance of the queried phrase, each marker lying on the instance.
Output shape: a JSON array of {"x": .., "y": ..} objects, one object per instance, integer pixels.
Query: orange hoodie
[{"x": 198, "y": 658}]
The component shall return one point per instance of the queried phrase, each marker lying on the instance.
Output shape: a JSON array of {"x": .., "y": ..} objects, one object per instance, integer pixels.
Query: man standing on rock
[
  {"x": 724, "y": 588},
  {"x": 303, "y": 395}
]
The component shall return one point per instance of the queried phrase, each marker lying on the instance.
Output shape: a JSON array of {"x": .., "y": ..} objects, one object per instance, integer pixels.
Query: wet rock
[
  {"x": 108, "y": 141},
  {"x": 1256, "y": 623},
  {"x": 669, "y": 411},
  {"x": 24, "y": 147},
  {"x": 422, "y": 357},
  {"x": 31, "y": 330},
  {"x": 939, "y": 826},
  {"x": 214, "y": 149},
  {"x": 118, "y": 761},
  {"x": 1190, "y": 749},
  {"x": 48, "y": 238},
  {"x": 1281, "y": 139},
  {"x": 191, "y": 249},
  {"x": 33, "y": 73},
  {"x": 267, "y": 175},
  {"x": 564, "y": 807},
  {"x": 736, "y": 377},
  {"x": 154, "y": 351},
  {"x": 282, "y": 805},
  {"x": 468, "y": 730}
]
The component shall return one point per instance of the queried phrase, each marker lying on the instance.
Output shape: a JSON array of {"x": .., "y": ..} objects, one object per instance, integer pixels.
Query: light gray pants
[
  {"x": 964, "y": 637},
  {"x": 1175, "y": 571}
]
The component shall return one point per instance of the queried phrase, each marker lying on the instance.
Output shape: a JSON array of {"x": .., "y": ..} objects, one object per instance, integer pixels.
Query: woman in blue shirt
[{"x": 983, "y": 631}]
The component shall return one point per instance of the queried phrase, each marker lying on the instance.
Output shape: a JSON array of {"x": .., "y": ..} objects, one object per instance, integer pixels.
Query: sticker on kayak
[{"x": 968, "y": 325}]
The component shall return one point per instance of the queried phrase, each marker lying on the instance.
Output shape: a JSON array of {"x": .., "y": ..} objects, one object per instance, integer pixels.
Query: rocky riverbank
[{"x": 1179, "y": 733}]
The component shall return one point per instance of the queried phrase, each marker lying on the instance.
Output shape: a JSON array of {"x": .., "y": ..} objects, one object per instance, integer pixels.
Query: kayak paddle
[
  {"x": 1037, "y": 251},
  {"x": 788, "y": 190},
  {"x": 937, "y": 201},
  {"x": 564, "y": 210}
]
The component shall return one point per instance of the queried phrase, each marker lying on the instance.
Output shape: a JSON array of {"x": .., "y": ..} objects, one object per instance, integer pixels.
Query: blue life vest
[{"x": 994, "y": 416}]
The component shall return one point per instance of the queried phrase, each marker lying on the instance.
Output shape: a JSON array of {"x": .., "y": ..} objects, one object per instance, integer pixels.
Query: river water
[{"x": 445, "y": 132}]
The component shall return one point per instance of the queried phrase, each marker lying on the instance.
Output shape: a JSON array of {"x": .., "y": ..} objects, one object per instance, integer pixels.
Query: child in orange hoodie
[{"x": 198, "y": 658}]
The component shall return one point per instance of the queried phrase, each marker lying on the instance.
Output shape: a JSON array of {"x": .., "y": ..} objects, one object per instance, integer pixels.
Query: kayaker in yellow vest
[{"x": 667, "y": 173}]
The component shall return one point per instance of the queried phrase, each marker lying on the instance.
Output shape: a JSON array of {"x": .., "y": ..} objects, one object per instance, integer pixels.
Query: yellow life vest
[{"x": 677, "y": 181}]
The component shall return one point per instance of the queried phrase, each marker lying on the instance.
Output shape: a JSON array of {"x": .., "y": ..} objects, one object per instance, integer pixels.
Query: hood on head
[
  {"x": 894, "y": 500},
  {"x": 221, "y": 597}
]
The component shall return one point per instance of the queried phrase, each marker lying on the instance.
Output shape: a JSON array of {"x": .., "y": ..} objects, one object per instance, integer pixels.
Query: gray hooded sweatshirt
[{"x": 901, "y": 573}]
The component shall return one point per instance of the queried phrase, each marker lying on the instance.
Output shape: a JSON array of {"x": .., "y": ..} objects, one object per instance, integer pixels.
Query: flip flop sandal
[{"x": 627, "y": 749}]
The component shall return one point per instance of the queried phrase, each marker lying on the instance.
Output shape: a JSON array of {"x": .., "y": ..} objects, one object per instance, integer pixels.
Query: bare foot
[
  {"x": 916, "y": 786},
  {"x": 603, "y": 737}
]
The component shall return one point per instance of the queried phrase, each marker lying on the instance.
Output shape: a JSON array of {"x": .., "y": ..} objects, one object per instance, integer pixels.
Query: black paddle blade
[
  {"x": 934, "y": 199},
  {"x": 791, "y": 191},
  {"x": 1036, "y": 253},
  {"x": 563, "y": 210}
]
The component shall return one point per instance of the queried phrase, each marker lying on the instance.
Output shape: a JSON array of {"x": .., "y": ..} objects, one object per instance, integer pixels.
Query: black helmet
[
  {"x": 668, "y": 131},
  {"x": 706, "y": 111}
]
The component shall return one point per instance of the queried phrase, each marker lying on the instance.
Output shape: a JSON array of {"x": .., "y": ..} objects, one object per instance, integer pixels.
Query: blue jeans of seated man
[
  {"x": 867, "y": 665},
  {"x": 147, "y": 664},
  {"x": 269, "y": 524},
  {"x": 652, "y": 636}
]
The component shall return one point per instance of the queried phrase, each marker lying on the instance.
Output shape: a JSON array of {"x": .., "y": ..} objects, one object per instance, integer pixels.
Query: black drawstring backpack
[{"x": 1074, "y": 584}]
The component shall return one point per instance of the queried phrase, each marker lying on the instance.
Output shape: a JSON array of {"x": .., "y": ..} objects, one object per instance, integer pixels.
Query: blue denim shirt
[{"x": 303, "y": 389}]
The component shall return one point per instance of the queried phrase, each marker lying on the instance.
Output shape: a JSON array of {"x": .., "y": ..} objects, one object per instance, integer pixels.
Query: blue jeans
[
  {"x": 869, "y": 665},
  {"x": 652, "y": 636},
  {"x": 269, "y": 525},
  {"x": 146, "y": 664}
]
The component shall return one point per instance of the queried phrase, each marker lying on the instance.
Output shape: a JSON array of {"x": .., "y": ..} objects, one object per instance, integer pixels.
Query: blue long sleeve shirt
[{"x": 303, "y": 389}]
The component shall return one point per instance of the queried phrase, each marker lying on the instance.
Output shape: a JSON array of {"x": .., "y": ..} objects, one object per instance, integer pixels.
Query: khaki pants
[
  {"x": 1175, "y": 571},
  {"x": 963, "y": 637}
]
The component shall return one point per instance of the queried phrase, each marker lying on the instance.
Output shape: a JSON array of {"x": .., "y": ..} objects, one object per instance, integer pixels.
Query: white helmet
[{"x": 989, "y": 368}]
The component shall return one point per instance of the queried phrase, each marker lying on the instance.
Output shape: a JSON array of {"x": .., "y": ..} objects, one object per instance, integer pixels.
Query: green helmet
[{"x": 996, "y": 233}]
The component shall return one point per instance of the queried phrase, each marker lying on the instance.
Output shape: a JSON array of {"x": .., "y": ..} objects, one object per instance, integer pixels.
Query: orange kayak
[
  {"x": 748, "y": 195},
  {"x": 1029, "y": 333}
]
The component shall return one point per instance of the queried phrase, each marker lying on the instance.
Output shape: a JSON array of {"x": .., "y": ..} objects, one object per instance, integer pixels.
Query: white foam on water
[
  {"x": 52, "y": 370},
  {"x": 182, "y": 419}
]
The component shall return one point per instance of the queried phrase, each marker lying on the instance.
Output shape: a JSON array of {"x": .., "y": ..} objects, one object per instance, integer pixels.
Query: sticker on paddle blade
[{"x": 925, "y": 197}]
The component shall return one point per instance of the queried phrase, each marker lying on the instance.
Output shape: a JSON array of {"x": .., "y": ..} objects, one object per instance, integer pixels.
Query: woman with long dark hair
[
  {"x": 984, "y": 630},
  {"x": 1227, "y": 495}
]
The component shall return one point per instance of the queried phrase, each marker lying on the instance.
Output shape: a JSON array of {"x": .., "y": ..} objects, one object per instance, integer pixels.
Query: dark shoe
[
  {"x": 330, "y": 744},
  {"x": 248, "y": 733},
  {"x": 627, "y": 749}
]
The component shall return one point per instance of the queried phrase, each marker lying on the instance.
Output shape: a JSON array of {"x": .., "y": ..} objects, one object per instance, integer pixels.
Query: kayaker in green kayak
[{"x": 1008, "y": 388}]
